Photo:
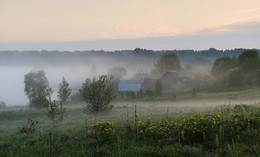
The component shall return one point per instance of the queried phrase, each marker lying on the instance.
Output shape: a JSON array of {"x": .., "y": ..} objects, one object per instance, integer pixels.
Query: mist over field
[{"x": 75, "y": 71}]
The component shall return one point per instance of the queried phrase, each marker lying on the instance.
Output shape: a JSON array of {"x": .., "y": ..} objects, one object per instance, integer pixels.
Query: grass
[{"x": 202, "y": 126}]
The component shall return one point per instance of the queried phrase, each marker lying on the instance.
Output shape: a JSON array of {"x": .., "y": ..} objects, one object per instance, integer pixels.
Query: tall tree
[
  {"x": 37, "y": 88},
  {"x": 64, "y": 92},
  {"x": 168, "y": 62}
]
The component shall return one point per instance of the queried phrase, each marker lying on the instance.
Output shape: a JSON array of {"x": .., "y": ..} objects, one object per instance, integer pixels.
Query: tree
[
  {"x": 2, "y": 105},
  {"x": 98, "y": 94},
  {"x": 117, "y": 72},
  {"x": 158, "y": 88},
  {"x": 221, "y": 65},
  {"x": 169, "y": 61},
  {"x": 52, "y": 110},
  {"x": 64, "y": 92},
  {"x": 249, "y": 60},
  {"x": 37, "y": 88}
]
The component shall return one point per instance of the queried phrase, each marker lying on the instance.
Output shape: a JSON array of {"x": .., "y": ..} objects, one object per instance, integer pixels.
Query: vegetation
[
  {"x": 167, "y": 62},
  {"x": 117, "y": 72},
  {"x": 98, "y": 94},
  {"x": 158, "y": 88},
  {"x": 53, "y": 111},
  {"x": 64, "y": 92},
  {"x": 2, "y": 105},
  {"x": 130, "y": 130},
  {"x": 237, "y": 72},
  {"x": 37, "y": 88},
  {"x": 222, "y": 131}
]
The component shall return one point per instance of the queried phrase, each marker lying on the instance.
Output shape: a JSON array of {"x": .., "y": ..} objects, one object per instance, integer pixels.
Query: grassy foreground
[{"x": 230, "y": 130}]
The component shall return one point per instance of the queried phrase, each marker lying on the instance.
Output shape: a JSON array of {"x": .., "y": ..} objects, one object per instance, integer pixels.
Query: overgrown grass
[{"x": 230, "y": 130}]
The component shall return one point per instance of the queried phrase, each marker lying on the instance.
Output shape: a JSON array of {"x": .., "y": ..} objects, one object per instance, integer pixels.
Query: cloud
[
  {"x": 238, "y": 35},
  {"x": 104, "y": 35}
]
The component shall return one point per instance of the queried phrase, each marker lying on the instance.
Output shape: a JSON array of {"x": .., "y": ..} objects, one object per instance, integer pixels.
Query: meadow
[{"x": 211, "y": 124}]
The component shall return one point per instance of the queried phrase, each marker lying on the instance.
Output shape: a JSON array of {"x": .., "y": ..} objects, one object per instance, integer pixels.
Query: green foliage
[
  {"x": 158, "y": 88},
  {"x": 98, "y": 94},
  {"x": 128, "y": 94},
  {"x": 2, "y": 105},
  {"x": 140, "y": 94},
  {"x": 30, "y": 127},
  {"x": 208, "y": 129},
  {"x": 103, "y": 130},
  {"x": 235, "y": 77},
  {"x": 167, "y": 62},
  {"x": 37, "y": 88},
  {"x": 237, "y": 72},
  {"x": 194, "y": 93},
  {"x": 149, "y": 93},
  {"x": 53, "y": 111},
  {"x": 221, "y": 65},
  {"x": 64, "y": 92},
  {"x": 224, "y": 131},
  {"x": 249, "y": 60},
  {"x": 132, "y": 95}
]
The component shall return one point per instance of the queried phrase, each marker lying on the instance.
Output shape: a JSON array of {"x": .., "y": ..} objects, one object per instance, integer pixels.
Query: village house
[{"x": 172, "y": 82}]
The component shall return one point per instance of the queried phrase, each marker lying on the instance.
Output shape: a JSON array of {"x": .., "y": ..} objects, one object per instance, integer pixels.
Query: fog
[{"x": 12, "y": 76}]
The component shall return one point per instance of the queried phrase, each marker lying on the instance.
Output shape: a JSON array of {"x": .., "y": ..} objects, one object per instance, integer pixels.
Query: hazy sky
[{"x": 52, "y": 21}]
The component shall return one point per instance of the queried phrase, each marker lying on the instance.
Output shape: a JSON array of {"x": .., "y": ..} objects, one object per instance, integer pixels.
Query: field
[{"x": 212, "y": 124}]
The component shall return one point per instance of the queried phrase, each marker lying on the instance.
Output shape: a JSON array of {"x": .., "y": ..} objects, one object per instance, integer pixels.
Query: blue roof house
[{"x": 129, "y": 85}]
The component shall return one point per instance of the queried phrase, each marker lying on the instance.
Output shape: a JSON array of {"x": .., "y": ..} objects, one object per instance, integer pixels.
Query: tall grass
[{"x": 230, "y": 130}]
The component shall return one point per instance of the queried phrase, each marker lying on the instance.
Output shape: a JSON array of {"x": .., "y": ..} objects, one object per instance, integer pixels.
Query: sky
[{"x": 127, "y": 24}]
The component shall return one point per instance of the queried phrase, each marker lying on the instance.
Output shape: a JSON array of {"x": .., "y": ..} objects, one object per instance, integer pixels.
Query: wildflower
[
  {"x": 218, "y": 116},
  {"x": 148, "y": 118}
]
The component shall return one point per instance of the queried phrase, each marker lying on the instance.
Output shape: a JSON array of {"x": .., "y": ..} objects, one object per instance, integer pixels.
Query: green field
[{"x": 212, "y": 124}]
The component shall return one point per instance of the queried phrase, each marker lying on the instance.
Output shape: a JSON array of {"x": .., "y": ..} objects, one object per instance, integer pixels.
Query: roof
[
  {"x": 148, "y": 84},
  {"x": 142, "y": 76},
  {"x": 129, "y": 85}
]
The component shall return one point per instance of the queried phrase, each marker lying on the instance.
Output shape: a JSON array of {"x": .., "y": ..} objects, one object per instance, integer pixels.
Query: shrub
[{"x": 98, "y": 94}]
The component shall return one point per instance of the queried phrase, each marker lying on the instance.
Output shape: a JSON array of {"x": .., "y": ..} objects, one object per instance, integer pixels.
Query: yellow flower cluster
[{"x": 104, "y": 128}]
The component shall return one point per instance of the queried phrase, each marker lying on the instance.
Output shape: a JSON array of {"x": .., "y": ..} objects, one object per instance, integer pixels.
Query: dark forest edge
[{"x": 21, "y": 57}]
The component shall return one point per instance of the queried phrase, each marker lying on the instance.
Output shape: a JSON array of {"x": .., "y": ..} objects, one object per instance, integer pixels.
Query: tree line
[{"x": 237, "y": 71}]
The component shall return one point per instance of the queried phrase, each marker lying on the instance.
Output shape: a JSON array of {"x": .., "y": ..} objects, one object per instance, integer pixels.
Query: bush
[{"x": 98, "y": 94}]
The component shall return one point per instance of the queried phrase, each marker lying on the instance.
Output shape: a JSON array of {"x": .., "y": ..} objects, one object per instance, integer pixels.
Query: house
[
  {"x": 147, "y": 81},
  {"x": 171, "y": 80},
  {"x": 129, "y": 86}
]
